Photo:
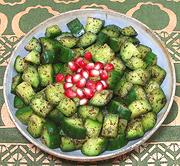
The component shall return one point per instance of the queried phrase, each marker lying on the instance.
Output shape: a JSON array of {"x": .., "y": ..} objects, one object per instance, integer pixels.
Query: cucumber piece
[
  {"x": 93, "y": 128},
  {"x": 25, "y": 92},
  {"x": 33, "y": 57},
  {"x": 110, "y": 126},
  {"x": 23, "y": 114},
  {"x": 138, "y": 76},
  {"x": 35, "y": 125},
  {"x": 79, "y": 143},
  {"x": 40, "y": 94},
  {"x": 33, "y": 44},
  {"x": 76, "y": 101},
  {"x": 151, "y": 85},
  {"x": 104, "y": 54},
  {"x": 136, "y": 63},
  {"x": 87, "y": 111},
  {"x": 57, "y": 68},
  {"x": 53, "y": 96},
  {"x": 101, "y": 98},
  {"x": 129, "y": 50},
  {"x": 94, "y": 25},
  {"x": 128, "y": 31},
  {"x": 53, "y": 31},
  {"x": 136, "y": 93},
  {"x": 123, "y": 87},
  {"x": 148, "y": 121},
  {"x": 87, "y": 39},
  {"x": 50, "y": 50},
  {"x": 16, "y": 80},
  {"x": 139, "y": 107},
  {"x": 134, "y": 129},
  {"x": 68, "y": 41},
  {"x": 122, "y": 126},
  {"x": 133, "y": 40},
  {"x": 45, "y": 74},
  {"x": 143, "y": 50},
  {"x": 19, "y": 64},
  {"x": 73, "y": 127},
  {"x": 150, "y": 59},
  {"x": 76, "y": 27},
  {"x": 157, "y": 99},
  {"x": 113, "y": 76},
  {"x": 102, "y": 38},
  {"x": 111, "y": 30},
  {"x": 65, "y": 69},
  {"x": 117, "y": 143},
  {"x": 66, "y": 54},
  {"x": 157, "y": 73},
  {"x": 31, "y": 76},
  {"x": 94, "y": 146},
  {"x": 100, "y": 117},
  {"x": 67, "y": 106},
  {"x": 49, "y": 135},
  {"x": 18, "y": 103},
  {"x": 56, "y": 116},
  {"x": 67, "y": 144},
  {"x": 40, "y": 106},
  {"x": 93, "y": 49},
  {"x": 114, "y": 44},
  {"x": 118, "y": 65},
  {"x": 120, "y": 109},
  {"x": 78, "y": 52}
]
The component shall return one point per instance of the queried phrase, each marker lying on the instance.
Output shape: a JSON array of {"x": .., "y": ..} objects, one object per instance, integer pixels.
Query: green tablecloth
[{"x": 19, "y": 16}]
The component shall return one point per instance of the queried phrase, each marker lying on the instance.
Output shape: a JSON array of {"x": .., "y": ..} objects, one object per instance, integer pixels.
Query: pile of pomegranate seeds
[{"x": 80, "y": 84}]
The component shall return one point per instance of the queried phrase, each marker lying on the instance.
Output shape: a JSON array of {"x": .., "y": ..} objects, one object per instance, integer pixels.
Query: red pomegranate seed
[
  {"x": 72, "y": 66},
  {"x": 81, "y": 83},
  {"x": 94, "y": 73},
  {"x": 99, "y": 86},
  {"x": 109, "y": 67},
  {"x": 88, "y": 92},
  {"x": 67, "y": 85},
  {"x": 79, "y": 70},
  {"x": 68, "y": 78},
  {"x": 85, "y": 74},
  {"x": 88, "y": 56},
  {"x": 79, "y": 93},
  {"x": 83, "y": 101},
  {"x": 76, "y": 78},
  {"x": 59, "y": 77},
  {"x": 77, "y": 60},
  {"x": 80, "y": 62},
  {"x": 98, "y": 65},
  {"x": 105, "y": 85},
  {"x": 91, "y": 84},
  {"x": 70, "y": 93},
  {"x": 104, "y": 75},
  {"x": 90, "y": 66}
]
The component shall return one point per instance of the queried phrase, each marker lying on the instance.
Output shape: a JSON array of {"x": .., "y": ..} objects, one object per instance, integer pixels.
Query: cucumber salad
[{"x": 92, "y": 89}]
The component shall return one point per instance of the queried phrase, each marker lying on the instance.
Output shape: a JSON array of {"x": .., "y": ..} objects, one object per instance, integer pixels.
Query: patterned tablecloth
[{"x": 19, "y": 16}]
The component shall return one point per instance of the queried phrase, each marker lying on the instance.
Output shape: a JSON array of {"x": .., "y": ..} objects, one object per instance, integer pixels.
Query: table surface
[{"x": 17, "y": 17}]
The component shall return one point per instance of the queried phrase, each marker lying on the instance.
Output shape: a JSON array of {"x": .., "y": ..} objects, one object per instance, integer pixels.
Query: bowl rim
[{"x": 103, "y": 156}]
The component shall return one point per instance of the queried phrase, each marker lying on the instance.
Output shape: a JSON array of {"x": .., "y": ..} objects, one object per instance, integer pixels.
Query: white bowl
[{"x": 145, "y": 35}]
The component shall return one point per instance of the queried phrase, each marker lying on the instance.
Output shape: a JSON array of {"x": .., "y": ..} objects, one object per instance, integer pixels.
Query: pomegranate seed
[
  {"x": 109, "y": 67},
  {"x": 72, "y": 66},
  {"x": 105, "y": 85},
  {"x": 82, "y": 64},
  {"x": 90, "y": 66},
  {"x": 76, "y": 78},
  {"x": 79, "y": 93},
  {"x": 70, "y": 93},
  {"x": 94, "y": 73},
  {"x": 68, "y": 78},
  {"x": 99, "y": 86},
  {"x": 77, "y": 60},
  {"x": 67, "y": 85},
  {"x": 79, "y": 70},
  {"x": 81, "y": 83},
  {"x": 59, "y": 77},
  {"x": 88, "y": 56},
  {"x": 104, "y": 75},
  {"x": 83, "y": 101},
  {"x": 88, "y": 92},
  {"x": 98, "y": 65},
  {"x": 91, "y": 84},
  {"x": 85, "y": 74}
]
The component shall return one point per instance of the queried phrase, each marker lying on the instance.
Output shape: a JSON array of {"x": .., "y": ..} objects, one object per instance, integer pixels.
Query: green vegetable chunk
[
  {"x": 33, "y": 44},
  {"x": 18, "y": 103},
  {"x": 33, "y": 57},
  {"x": 19, "y": 64},
  {"x": 16, "y": 80},
  {"x": 53, "y": 31}
]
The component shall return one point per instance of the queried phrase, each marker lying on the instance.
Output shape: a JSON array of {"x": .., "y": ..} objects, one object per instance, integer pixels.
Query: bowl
[{"x": 145, "y": 35}]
